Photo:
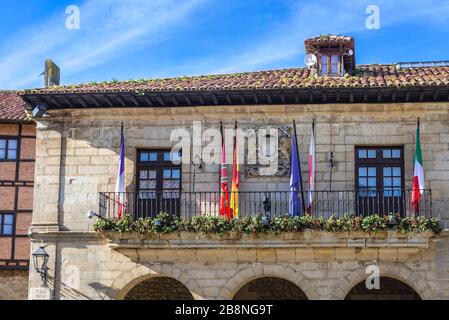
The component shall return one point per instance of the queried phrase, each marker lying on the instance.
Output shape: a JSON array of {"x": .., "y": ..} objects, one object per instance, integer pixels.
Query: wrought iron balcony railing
[{"x": 273, "y": 203}]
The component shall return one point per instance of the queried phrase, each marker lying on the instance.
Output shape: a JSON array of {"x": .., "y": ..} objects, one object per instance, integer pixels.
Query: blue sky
[{"x": 134, "y": 39}]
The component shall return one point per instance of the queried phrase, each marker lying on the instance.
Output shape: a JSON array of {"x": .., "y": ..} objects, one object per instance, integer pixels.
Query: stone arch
[
  {"x": 129, "y": 279},
  {"x": 390, "y": 289},
  {"x": 159, "y": 288},
  {"x": 270, "y": 288},
  {"x": 259, "y": 270},
  {"x": 397, "y": 272}
]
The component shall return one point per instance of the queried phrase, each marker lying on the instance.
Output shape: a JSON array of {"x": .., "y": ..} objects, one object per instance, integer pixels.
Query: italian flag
[{"x": 418, "y": 177}]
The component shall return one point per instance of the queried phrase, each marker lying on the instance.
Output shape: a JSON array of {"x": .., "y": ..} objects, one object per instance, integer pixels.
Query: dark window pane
[
  {"x": 12, "y": 154},
  {"x": 12, "y": 144},
  {"x": 147, "y": 195},
  {"x": 148, "y": 156},
  {"x": 372, "y": 154},
  {"x": 397, "y": 182},
  {"x": 324, "y": 64},
  {"x": 167, "y": 174},
  {"x": 171, "y": 184},
  {"x": 170, "y": 195},
  {"x": 176, "y": 156},
  {"x": 396, "y": 153},
  {"x": 362, "y": 172},
  {"x": 176, "y": 174},
  {"x": 7, "y": 230},
  {"x": 144, "y": 156},
  {"x": 8, "y": 219},
  {"x": 143, "y": 174},
  {"x": 143, "y": 184},
  {"x": 148, "y": 184},
  {"x": 152, "y": 174},
  {"x": 172, "y": 156},
  {"x": 397, "y": 171},
  {"x": 153, "y": 156},
  {"x": 334, "y": 64}
]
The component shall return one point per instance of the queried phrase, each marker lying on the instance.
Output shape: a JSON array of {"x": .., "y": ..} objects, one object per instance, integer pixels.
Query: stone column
[{"x": 47, "y": 198}]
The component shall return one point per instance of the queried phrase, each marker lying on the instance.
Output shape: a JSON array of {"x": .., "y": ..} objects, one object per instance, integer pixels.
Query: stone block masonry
[
  {"x": 110, "y": 266},
  {"x": 77, "y": 157},
  {"x": 78, "y": 152},
  {"x": 13, "y": 284}
]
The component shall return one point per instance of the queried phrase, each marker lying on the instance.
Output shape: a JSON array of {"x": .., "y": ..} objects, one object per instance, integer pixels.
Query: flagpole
[
  {"x": 419, "y": 133},
  {"x": 299, "y": 167},
  {"x": 219, "y": 170},
  {"x": 311, "y": 178},
  {"x": 234, "y": 193}
]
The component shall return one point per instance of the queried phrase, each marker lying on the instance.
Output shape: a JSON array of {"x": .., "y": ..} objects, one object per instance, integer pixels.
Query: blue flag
[{"x": 295, "y": 180}]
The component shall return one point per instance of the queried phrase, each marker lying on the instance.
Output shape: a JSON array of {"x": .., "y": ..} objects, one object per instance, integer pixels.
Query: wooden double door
[
  {"x": 380, "y": 180},
  {"x": 159, "y": 183}
]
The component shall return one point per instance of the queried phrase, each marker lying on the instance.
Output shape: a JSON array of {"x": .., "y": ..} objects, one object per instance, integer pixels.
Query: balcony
[{"x": 271, "y": 203}]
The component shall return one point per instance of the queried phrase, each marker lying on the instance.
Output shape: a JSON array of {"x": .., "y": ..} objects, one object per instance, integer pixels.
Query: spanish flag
[{"x": 234, "y": 206}]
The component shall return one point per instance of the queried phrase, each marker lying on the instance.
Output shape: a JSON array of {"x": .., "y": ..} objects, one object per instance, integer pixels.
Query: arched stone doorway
[
  {"x": 270, "y": 288},
  {"x": 390, "y": 289},
  {"x": 159, "y": 288}
]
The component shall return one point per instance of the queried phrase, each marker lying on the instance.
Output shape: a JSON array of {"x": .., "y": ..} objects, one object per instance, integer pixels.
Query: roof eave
[{"x": 124, "y": 99}]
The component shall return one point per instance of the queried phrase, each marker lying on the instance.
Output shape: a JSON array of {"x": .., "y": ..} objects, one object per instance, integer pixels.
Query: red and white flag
[
  {"x": 311, "y": 179},
  {"x": 224, "y": 182}
]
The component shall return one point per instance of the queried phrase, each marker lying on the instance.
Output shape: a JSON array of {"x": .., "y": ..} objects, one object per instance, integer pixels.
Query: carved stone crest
[{"x": 256, "y": 169}]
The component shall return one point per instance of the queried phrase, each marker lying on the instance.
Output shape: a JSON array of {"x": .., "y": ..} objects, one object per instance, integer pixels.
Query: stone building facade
[
  {"x": 17, "y": 150},
  {"x": 363, "y": 108}
]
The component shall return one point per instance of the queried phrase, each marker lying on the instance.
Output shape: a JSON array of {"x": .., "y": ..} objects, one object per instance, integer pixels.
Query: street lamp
[{"x": 40, "y": 259}]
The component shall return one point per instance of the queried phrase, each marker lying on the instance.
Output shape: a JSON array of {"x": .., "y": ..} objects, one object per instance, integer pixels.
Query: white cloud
[
  {"x": 313, "y": 18},
  {"x": 109, "y": 29},
  {"x": 116, "y": 28}
]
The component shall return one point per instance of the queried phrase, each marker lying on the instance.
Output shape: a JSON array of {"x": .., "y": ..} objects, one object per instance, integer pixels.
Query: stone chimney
[{"x": 52, "y": 75}]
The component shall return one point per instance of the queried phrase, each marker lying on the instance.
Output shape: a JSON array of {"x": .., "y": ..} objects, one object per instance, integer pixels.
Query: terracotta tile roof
[
  {"x": 329, "y": 39},
  {"x": 364, "y": 76},
  {"x": 12, "y": 107}
]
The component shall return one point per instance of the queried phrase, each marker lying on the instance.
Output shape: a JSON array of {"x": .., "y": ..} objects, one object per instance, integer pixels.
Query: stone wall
[
  {"x": 78, "y": 151},
  {"x": 13, "y": 284},
  {"x": 321, "y": 265},
  {"x": 77, "y": 157}
]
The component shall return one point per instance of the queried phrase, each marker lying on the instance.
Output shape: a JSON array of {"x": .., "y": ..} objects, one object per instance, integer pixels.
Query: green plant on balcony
[{"x": 206, "y": 224}]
